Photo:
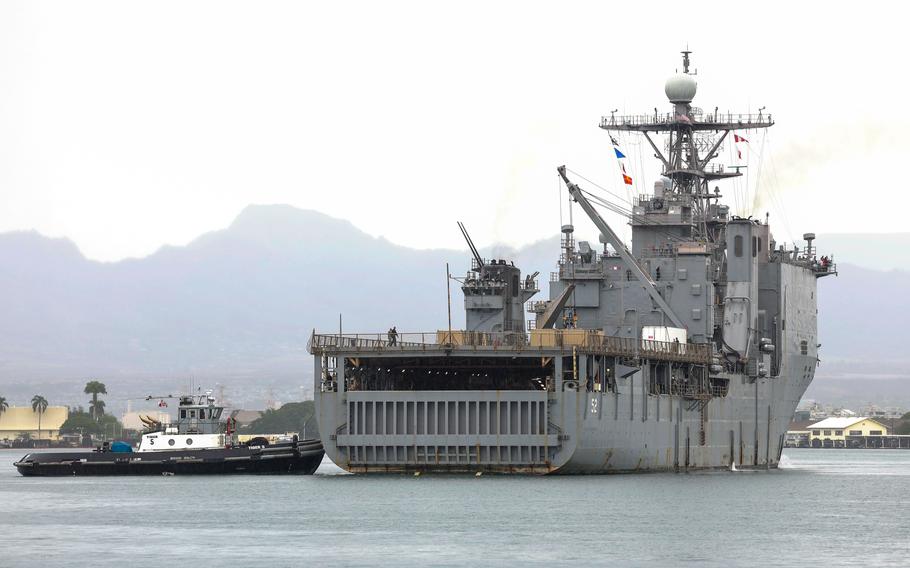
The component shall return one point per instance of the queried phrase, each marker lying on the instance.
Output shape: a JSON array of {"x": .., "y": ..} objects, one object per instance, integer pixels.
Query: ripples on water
[{"x": 822, "y": 508}]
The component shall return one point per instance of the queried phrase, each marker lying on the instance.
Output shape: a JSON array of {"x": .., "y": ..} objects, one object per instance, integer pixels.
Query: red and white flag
[{"x": 737, "y": 139}]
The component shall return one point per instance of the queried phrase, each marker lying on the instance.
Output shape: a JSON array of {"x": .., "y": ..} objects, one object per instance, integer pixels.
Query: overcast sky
[{"x": 125, "y": 126}]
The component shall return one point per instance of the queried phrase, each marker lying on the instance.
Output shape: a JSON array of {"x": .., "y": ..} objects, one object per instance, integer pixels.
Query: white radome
[{"x": 680, "y": 88}]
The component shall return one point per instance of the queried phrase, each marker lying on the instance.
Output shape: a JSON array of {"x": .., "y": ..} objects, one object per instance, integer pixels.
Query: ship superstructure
[{"x": 688, "y": 350}]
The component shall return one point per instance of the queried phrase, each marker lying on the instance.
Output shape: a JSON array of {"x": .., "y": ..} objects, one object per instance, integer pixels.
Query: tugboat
[{"x": 199, "y": 443}]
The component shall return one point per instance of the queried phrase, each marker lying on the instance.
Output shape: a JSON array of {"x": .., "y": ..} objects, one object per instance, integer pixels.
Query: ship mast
[{"x": 693, "y": 142}]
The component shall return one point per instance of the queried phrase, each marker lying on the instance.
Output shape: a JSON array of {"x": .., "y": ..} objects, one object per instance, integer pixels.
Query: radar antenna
[
  {"x": 162, "y": 397},
  {"x": 685, "y": 55},
  {"x": 693, "y": 142}
]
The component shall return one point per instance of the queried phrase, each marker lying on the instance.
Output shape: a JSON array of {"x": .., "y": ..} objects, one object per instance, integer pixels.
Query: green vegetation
[
  {"x": 3, "y": 405},
  {"x": 81, "y": 422},
  {"x": 903, "y": 426},
  {"x": 292, "y": 417},
  {"x": 39, "y": 405},
  {"x": 96, "y": 407}
]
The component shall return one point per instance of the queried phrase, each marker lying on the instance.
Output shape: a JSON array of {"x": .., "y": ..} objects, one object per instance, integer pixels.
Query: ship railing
[
  {"x": 566, "y": 340},
  {"x": 581, "y": 270},
  {"x": 417, "y": 340},
  {"x": 694, "y": 391},
  {"x": 720, "y": 390},
  {"x": 744, "y": 119},
  {"x": 823, "y": 268},
  {"x": 661, "y": 252}
]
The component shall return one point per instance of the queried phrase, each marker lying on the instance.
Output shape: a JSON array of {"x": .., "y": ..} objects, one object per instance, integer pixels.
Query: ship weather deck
[{"x": 540, "y": 342}]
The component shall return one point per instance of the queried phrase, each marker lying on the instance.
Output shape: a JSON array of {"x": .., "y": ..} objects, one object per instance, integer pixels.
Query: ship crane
[
  {"x": 619, "y": 247},
  {"x": 470, "y": 242}
]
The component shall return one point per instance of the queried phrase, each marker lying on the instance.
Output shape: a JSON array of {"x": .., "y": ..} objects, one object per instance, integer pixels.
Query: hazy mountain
[
  {"x": 237, "y": 305},
  {"x": 878, "y": 251},
  {"x": 234, "y": 304}
]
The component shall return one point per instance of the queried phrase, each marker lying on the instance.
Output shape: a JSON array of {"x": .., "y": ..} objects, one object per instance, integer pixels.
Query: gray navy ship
[{"x": 690, "y": 350}]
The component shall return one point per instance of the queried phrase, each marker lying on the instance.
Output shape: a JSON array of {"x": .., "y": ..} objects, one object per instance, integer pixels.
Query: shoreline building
[
  {"x": 798, "y": 434},
  {"x": 833, "y": 432},
  {"x": 16, "y": 421}
]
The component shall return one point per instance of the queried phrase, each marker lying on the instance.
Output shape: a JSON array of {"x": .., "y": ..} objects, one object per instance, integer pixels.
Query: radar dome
[{"x": 680, "y": 88}]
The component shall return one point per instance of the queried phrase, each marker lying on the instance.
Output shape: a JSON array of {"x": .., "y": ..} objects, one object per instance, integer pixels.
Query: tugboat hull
[{"x": 301, "y": 459}]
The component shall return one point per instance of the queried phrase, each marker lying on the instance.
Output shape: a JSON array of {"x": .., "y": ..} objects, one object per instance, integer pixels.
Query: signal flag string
[{"x": 626, "y": 178}]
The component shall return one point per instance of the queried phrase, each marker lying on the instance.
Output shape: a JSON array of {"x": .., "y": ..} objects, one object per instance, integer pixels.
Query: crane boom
[
  {"x": 619, "y": 247},
  {"x": 471, "y": 246}
]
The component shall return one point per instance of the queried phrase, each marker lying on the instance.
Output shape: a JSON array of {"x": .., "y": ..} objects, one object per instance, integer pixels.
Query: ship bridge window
[
  {"x": 192, "y": 414},
  {"x": 183, "y": 414},
  {"x": 202, "y": 413},
  {"x": 738, "y": 245}
]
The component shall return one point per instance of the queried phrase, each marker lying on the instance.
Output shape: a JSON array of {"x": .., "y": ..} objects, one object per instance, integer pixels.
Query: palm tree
[
  {"x": 96, "y": 408},
  {"x": 95, "y": 388},
  {"x": 39, "y": 405},
  {"x": 3, "y": 405}
]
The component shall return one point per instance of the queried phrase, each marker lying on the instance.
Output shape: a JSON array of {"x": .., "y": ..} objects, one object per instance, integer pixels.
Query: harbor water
[{"x": 822, "y": 508}]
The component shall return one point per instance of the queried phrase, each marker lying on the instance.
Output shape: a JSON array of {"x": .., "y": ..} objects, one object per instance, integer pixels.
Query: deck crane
[
  {"x": 620, "y": 247},
  {"x": 471, "y": 246}
]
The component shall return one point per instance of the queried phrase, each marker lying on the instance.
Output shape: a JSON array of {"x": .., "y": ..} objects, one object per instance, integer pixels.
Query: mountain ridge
[{"x": 241, "y": 301}]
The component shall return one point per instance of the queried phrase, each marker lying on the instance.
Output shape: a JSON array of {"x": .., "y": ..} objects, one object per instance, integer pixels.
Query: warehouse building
[
  {"x": 19, "y": 421},
  {"x": 833, "y": 432}
]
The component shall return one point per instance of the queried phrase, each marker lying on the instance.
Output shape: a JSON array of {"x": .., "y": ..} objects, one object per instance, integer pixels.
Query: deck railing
[
  {"x": 539, "y": 340},
  {"x": 744, "y": 119}
]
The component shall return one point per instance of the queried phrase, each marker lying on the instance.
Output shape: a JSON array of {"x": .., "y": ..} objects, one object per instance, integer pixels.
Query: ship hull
[
  {"x": 302, "y": 459},
  {"x": 565, "y": 431},
  {"x": 589, "y": 433},
  {"x": 570, "y": 425}
]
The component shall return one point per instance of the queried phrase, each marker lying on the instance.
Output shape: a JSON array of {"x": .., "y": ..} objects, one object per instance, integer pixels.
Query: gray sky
[{"x": 125, "y": 125}]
